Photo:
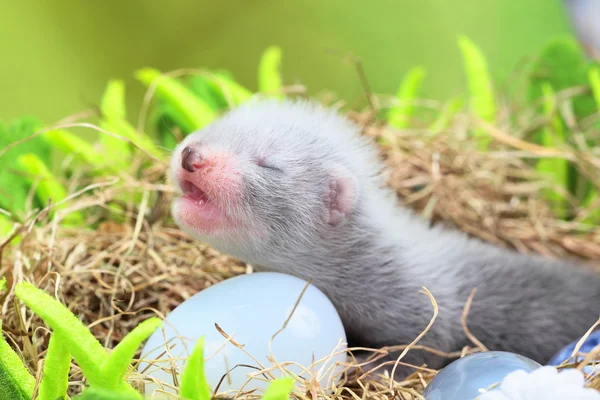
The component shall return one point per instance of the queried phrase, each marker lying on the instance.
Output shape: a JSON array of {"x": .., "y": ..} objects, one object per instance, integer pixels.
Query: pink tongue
[{"x": 195, "y": 192}]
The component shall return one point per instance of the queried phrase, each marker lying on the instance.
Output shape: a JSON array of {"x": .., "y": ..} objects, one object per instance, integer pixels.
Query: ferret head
[{"x": 270, "y": 177}]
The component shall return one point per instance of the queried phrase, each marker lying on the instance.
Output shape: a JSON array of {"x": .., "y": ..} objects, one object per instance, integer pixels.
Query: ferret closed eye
[{"x": 263, "y": 163}]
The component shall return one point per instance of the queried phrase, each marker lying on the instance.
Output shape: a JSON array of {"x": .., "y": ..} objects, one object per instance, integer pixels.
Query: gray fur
[{"x": 373, "y": 264}]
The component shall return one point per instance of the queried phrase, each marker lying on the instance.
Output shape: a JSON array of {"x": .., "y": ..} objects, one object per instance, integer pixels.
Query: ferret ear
[{"x": 341, "y": 195}]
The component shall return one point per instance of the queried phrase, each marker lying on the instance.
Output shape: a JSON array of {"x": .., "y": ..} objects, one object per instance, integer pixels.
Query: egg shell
[
  {"x": 469, "y": 376},
  {"x": 251, "y": 308}
]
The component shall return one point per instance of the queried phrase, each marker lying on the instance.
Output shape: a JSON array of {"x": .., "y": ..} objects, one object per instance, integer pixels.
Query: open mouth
[
  {"x": 197, "y": 209},
  {"x": 193, "y": 193}
]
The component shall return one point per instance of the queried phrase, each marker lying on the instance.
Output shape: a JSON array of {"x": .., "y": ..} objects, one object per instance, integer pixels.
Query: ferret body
[{"x": 293, "y": 187}]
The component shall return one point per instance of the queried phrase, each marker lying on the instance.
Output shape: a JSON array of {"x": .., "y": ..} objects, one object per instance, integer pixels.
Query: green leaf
[
  {"x": 194, "y": 112},
  {"x": 592, "y": 195},
  {"x": 22, "y": 129},
  {"x": 73, "y": 144},
  {"x": 95, "y": 393},
  {"x": 116, "y": 151},
  {"x": 481, "y": 90},
  {"x": 167, "y": 120},
  {"x": 118, "y": 362},
  {"x": 594, "y": 216},
  {"x": 594, "y": 77},
  {"x": 143, "y": 141},
  {"x": 85, "y": 348},
  {"x": 479, "y": 80},
  {"x": 15, "y": 380},
  {"x": 72, "y": 334},
  {"x": 279, "y": 389},
  {"x": 113, "y": 100},
  {"x": 219, "y": 90},
  {"x": 55, "y": 377},
  {"x": 48, "y": 189},
  {"x": 399, "y": 115},
  {"x": 229, "y": 88},
  {"x": 170, "y": 142},
  {"x": 13, "y": 188},
  {"x": 555, "y": 169},
  {"x": 216, "y": 88},
  {"x": 269, "y": 74},
  {"x": 563, "y": 64},
  {"x": 6, "y": 226},
  {"x": 193, "y": 385},
  {"x": 207, "y": 91},
  {"x": 3, "y": 284}
]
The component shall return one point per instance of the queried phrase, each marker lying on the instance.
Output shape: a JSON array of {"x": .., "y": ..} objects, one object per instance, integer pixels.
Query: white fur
[{"x": 374, "y": 261}]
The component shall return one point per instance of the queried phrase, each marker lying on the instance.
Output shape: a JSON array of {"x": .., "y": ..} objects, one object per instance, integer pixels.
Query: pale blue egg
[
  {"x": 468, "y": 377},
  {"x": 252, "y": 308}
]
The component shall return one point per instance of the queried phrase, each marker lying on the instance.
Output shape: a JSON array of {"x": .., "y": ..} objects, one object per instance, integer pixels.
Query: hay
[{"x": 114, "y": 275}]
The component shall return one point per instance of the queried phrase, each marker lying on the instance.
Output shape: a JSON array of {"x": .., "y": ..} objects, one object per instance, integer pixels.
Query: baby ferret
[{"x": 291, "y": 186}]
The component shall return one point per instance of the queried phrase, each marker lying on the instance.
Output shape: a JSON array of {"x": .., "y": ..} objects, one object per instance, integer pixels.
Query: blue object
[
  {"x": 592, "y": 341},
  {"x": 584, "y": 16},
  {"x": 468, "y": 377}
]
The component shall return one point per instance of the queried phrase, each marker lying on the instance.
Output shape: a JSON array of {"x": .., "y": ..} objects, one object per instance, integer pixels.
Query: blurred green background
[{"x": 58, "y": 55}]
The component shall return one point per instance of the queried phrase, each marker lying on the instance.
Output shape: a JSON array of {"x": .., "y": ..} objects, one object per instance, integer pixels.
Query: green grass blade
[
  {"x": 72, "y": 334},
  {"x": 116, "y": 151},
  {"x": 564, "y": 64},
  {"x": 55, "y": 377},
  {"x": 239, "y": 94},
  {"x": 269, "y": 74},
  {"x": 594, "y": 76},
  {"x": 22, "y": 129},
  {"x": 15, "y": 380},
  {"x": 85, "y": 348},
  {"x": 446, "y": 115},
  {"x": 207, "y": 92},
  {"x": 48, "y": 189},
  {"x": 481, "y": 90},
  {"x": 479, "y": 80},
  {"x": 6, "y": 226},
  {"x": 594, "y": 216},
  {"x": 113, "y": 100},
  {"x": 592, "y": 195},
  {"x": 408, "y": 91},
  {"x": 119, "y": 360},
  {"x": 193, "y": 385},
  {"x": 555, "y": 169},
  {"x": 15, "y": 191},
  {"x": 228, "y": 88},
  {"x": 194, "y": 112},
  {"x": 279, "y": 389},
  {"x": 73, "y": 144},
  {"x": 143, "y": 141},
  {"x": 95, "y": 393}
]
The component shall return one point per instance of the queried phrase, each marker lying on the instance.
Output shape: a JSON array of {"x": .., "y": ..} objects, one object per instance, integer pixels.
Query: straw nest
[{"x": 117, "y": 274}]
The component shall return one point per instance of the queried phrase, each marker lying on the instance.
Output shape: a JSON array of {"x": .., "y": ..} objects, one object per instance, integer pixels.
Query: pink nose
[{"x": 191, "y": 159}]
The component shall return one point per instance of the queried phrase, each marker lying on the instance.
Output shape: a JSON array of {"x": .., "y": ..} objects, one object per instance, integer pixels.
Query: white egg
[{"x": 251, "y": 308}]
